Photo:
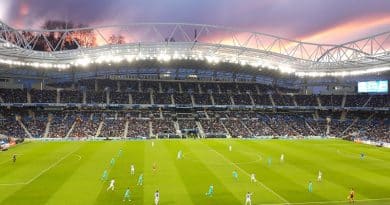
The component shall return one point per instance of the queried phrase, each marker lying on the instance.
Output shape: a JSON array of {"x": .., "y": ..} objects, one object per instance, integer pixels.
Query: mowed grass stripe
[
  {"x": 279, "y": 184},
  {"x": 132, "y": 152},
  {"x": 167, "y": 178},
  {"x": 355, "y": 172},
  {"x": 31, "y": 160},
  {"x": 298, "y": 169},
  {"x": 224, "y": 169},
  {"x": 84, "y": 177},
  {"x": 334, "y": 168},
  {"x": 197, "y": 175},
  {"x": 247, "y": 174},
  {"x": 39, "y": 190}
]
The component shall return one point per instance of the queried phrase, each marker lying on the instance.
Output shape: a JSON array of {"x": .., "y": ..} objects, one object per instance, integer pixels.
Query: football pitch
[{"x": 70, "y": 173}]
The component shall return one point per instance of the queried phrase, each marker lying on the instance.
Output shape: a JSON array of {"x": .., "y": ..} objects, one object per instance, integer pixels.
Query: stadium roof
[{"x": 183, "y": 41}]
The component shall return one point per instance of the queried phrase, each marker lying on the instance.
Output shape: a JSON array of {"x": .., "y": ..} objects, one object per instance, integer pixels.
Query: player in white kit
[
  {"x": 132, "y": 169},
  {"x": 248, "y": 199},
  {"x": 253, "y": 178},
  {"x": 230, "y": 148},
  {"x": 112, "y": 185},
  {"x": 319, "y": 178},
  {"x": 282, "y": 158},
  {"x": 156, "y": 197}
]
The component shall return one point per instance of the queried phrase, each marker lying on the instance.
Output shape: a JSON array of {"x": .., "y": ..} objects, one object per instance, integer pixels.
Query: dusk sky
[{"x": 321, "y": 21}]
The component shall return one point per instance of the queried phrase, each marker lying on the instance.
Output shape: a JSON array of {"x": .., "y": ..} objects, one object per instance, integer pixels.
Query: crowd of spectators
[
  {"x": 283, "y": 100},
  {"x": 86, "y": 125},
  {"x": 162, "y": 98},
  {"x": 331, "y": 100},
  {"x": 163, "y": 127},
  {"x": 10, "y": 127},
  {"x": 13, "y": 95},
  {"x": 182, "y": 99},
  {"x": 306, "y": 100},
  {"x": 113, "y": 127},
  {"x": 213, "y": 127},
  {"x": 138, "y": 128},
  {"x": 236, "y": 128},
  {"x": 202, "y": 99},
  {"x": 367, "y": 125},
  {"x": 43, "y": 96},
  {"x": 223, "y": 93},
  {"x": 60, "y": 124},
  {"x": 35, "y": 124},
  {"x": 356, "y": 100},
  {"x": 222, "y": 99},
  {"x": 242, "y": 99}
]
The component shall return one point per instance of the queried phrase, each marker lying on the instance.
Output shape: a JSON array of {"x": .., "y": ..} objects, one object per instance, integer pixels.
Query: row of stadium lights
[{"x": 163, "y": 57}]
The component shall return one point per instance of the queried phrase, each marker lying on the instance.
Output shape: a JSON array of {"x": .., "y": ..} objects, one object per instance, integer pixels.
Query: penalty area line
[{"x": 257, "y": 181}]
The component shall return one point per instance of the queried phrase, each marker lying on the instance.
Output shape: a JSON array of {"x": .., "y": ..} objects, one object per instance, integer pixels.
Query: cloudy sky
[{"x": 322, "y": 21}]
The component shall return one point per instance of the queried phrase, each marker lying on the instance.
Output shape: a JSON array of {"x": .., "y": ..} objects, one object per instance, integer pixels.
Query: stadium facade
[{"x": 177, "y": 80}]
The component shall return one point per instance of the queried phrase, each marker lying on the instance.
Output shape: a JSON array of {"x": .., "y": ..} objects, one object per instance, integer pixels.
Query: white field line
[
  {"x": 327, "y": 202},
  {"x": 259, "y": 182},
  {"x": 40, "y": 173}
]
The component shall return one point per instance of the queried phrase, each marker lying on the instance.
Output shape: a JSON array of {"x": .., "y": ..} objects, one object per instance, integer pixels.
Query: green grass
[{"x": 69, "y": 172}]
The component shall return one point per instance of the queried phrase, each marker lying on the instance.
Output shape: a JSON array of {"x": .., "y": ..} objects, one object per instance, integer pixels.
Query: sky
[{"x": 318, "y": 21}]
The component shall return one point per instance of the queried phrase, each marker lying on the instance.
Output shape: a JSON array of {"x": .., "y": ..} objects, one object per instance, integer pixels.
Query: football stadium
[{"x": 170, "y": 112}]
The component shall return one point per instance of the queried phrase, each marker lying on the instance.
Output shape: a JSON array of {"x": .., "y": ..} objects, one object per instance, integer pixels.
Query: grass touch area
[{"x": 57, "y": 173}]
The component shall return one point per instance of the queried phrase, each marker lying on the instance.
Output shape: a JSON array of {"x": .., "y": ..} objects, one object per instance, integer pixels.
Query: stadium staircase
[
  {"x": 24, "y": 128},
  {"x": 349, "y": 127},
  {"x": 257, "y": 90},
  {"x": 160, "y": 90},
  {"x": 344, "y": 100},
  {"x": 177, "y": 128},
  {"x": 251, "y": 98},
  {"x": 212, "y": 99},
  {"x": 200, "y": 128},
  {"x": 200, "y": 88},
  {"x": 172, "y": 99},
  {"x": 151, "y": 97},
  {"x": 28, "y": 97},
  {"x": 84, "y": 96},
  {"x": 271, "y": 99},
  {"x": 231, "y": 100},
  {"x": 219, "y": 89},
  {"x": 343, "y": 115},
  {"x": 58, "y": 96},
  {"x": 294, "y": 101},
  {"x": 180, "y": 88},
  {"x": 315, "y": 115},
  {"x": 318, "y": 101},
  {"x": 47, "y": 128},
  {"x": 99, "y": 130},
  {"x": 151, "y": 129},
  {"x": 108, "y": 96},
  {"x": 244, "y": 125},
  {"x": 130, "y": 99},
  {"x": 126, "y": 128},
  {"x": 310, "y": 128},
  {"x": 71, "y": 129},
  {"x": 228, "y": 135},
  {"x": 192, "y": 99},
  {"x": 368, "y": 100},
  {"x": 327, "y": 128}
]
